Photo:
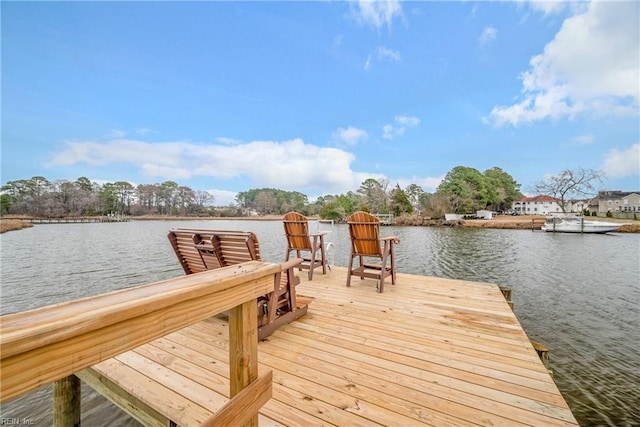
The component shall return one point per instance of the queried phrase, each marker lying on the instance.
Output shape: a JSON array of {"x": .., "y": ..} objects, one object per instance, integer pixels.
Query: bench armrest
[{"x": 294, "y": 262}]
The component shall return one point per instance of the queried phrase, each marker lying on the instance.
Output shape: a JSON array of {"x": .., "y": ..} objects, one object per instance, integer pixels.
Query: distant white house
[
  {"x": 453, "y": 217},
  {"x": 606, "y": 201},
  {"x": 537, "y": 205},
  {"x": 485, "y": 214},
  {"x": 578, "y": 206}
]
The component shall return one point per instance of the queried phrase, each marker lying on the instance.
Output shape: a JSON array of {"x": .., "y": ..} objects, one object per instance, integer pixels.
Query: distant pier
[
  {"x": 386, "y": 219},
  {"x": 76, "y": 220}
]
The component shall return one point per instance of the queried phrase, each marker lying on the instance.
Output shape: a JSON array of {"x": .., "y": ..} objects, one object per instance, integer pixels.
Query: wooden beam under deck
[{"x": 428, "y": 351}]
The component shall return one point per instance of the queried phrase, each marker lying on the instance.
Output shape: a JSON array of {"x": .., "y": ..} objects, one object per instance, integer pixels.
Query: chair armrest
[
  {"x": 394, "y": 239},
  {"x": 290, "y": 264}
]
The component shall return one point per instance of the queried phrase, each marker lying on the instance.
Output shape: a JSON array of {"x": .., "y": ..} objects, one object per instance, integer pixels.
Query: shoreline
[
  {"x": 13, "y": 224},
  {"x": 500, "y": 222},
  {"x": 525, "y": 222}
]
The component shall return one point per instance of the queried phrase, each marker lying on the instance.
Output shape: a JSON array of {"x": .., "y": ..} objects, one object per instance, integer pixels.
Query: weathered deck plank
[{"x": 428, "y": 351}]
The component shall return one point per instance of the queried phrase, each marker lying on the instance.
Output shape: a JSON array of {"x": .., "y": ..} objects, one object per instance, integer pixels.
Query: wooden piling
[
  {"x": 537, "y": 223},
  {"x": 506, "y": 292},
  {"x": 66, "y": 402},
  {"x": 543, "y": 352}
]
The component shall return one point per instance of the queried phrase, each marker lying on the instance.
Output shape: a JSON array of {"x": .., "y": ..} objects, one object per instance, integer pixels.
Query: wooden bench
[
  {"x": 101, "y": 339},
  {"x": 200, "y": 250}
]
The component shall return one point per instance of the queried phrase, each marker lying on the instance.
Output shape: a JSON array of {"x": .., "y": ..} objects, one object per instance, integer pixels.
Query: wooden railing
[{"x": 52, "y": 343}]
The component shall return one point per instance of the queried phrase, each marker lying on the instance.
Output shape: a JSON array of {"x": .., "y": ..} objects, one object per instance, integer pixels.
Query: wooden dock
[
  {"x": 386, "y": 219},
  {"x": 428, "y": 351}
]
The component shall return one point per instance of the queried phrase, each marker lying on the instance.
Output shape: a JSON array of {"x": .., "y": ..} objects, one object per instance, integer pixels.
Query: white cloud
[
  {"x": 223, "y": 197},
  {"x": 388, "y": 132},
  {"x": 474, "y": 11},
  {"x": 407, "y": 121},
  {"x": 385, "y": 53},
  {"x": 288, "y": 165},
  {"x": 382, "y": 54},
  {"x": 428, "y": 184},
  {"x": 590, "y": 67},
  {"x": 488, "y": 35},
  {"x": 121, "y": 150},
  {"x": 291, "y": 165},
  {"x": 377, "y": 13},
  {"x": 584, "y": 139},
  {"x": 547, "y": 7},
  {"x": 621, "y": 164},
  {"x": 401, "y": 123},
  {"x": 171, "y": 173},
  {"x": 349, "y": 136},
  {"x": 228, "y": 141},
  {"x": 367, "y": 63}
]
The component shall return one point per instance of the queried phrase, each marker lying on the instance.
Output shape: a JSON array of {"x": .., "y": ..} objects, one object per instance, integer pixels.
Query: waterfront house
[
  {"x": 618, "y": 201},
  {"x": 537, "y": 205},
  {"x": 578, "y": 206},
  {"x": 612, "y": 201}
]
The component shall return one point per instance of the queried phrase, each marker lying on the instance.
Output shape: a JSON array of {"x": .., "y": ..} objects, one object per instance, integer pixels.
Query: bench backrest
[{"x": 200, "y": 250}]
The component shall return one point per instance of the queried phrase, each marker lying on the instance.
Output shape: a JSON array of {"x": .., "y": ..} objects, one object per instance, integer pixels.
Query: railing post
[
  {"x": 66, "y": 402},
  {"x": 243, "y": 349}
]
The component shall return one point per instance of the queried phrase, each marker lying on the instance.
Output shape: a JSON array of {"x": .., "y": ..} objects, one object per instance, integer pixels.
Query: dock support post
[
  {"x": 243, "y": 348},
  {"x": 66, "y": 402},
  {"x": 506, "y": 292},
  {"x": 543, "y": 352}
]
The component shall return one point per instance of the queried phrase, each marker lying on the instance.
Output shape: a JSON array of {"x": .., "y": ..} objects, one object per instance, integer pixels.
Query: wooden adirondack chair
[
  {"x": 364, "y": 230},
  {"x": 296, "y": 228},
  {"x": 199, "y": 250}
]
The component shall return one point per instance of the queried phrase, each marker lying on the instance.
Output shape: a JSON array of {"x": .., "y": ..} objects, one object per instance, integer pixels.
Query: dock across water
[
  {"x": 427, "y": 351},
  {"x": 77, "y": 220}
]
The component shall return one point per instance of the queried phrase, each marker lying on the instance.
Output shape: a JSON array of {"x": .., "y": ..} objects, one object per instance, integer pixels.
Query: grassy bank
[{"x": 13, "y": 224}]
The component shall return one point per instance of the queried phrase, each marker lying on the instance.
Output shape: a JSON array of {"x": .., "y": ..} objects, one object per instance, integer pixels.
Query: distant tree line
[
  {"x": 42, "y": 198},
  {"x": 463, "y": 190}
]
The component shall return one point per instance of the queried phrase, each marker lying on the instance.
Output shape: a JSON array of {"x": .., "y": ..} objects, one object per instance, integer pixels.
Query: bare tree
[
  {"x": 569, "y": 184},
  {"x": 265, "y": 202},
  {"x": 204, "y": 198}
]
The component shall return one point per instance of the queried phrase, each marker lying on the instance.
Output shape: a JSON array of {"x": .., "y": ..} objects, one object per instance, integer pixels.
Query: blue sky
[{"x": 316, "y": 97}]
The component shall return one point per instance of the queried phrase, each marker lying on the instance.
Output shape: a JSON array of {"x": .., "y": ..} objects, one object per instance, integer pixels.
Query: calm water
[{"x": 579, "y": 294}]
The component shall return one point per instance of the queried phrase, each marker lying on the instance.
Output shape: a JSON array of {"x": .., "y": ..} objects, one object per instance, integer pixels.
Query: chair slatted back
[
  {"x": 296, "y": 228},
  {"x": 200, "y": 250},
  {"x": 364, "y": 230}
]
